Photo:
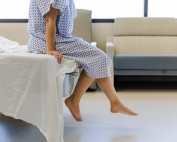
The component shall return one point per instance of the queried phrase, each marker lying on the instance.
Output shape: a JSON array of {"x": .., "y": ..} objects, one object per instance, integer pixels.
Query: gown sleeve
[{"x": 44, "y": 5}]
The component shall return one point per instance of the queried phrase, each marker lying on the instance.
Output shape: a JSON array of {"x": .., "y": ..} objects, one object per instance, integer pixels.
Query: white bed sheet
[{"x": 31, "y": 87}]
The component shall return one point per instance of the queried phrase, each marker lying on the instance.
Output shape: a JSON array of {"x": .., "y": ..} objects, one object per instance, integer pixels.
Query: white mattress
[{"x": 31, "y": 89}]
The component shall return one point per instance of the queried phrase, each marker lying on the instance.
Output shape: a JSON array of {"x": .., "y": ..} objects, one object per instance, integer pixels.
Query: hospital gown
[{"x": 93, "y": 60}]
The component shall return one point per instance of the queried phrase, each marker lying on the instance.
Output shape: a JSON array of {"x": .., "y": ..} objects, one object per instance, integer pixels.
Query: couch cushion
[
  {"x": 146, "y": 72},
  {"x": 146, "y": 61},
  {"x": 145, "y": 27},
  {"x": 145, "y": 44}
]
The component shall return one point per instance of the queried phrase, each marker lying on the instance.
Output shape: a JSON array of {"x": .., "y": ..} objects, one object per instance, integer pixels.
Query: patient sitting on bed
[{"x": 50, "y": 27}]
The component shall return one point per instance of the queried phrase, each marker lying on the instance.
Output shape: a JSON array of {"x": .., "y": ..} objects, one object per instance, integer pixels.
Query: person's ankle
[
  {"x": 74, "y": 100},
  {"x": 116, "y": 103}
]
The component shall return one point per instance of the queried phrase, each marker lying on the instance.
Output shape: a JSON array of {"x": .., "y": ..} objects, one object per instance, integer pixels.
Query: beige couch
[
  {"x": 83, "y": 28},
  {"x": 143, "y": 46}
]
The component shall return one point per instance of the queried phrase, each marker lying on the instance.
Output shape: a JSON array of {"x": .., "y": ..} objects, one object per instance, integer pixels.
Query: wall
[
  {"x": 15, "y": 32},
  {"x": 18, "y": 32},
  {"x": 100, "y": 31}
]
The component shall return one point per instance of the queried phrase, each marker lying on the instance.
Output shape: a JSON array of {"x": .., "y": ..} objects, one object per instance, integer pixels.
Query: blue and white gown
[{"x": 93, "y": 60}]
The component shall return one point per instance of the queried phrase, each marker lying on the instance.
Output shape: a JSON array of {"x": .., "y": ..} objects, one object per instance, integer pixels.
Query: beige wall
[
  {"x": 100, "y": 31},
  {"x": 18, "y": 32},
  {"x": 15, "y": 32}
]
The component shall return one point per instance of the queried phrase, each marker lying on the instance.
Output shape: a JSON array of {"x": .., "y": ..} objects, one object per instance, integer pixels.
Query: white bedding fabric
[
  {"x": 31, "y": 87},
  {"x": 8, "y": 46}
]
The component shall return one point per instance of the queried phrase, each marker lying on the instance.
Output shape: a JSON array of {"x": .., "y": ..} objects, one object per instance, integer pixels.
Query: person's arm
[{"x": 51, "y": 17}]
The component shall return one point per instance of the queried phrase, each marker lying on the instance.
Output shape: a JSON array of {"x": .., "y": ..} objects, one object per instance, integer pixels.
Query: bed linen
[{"x": 31, "y": 89}]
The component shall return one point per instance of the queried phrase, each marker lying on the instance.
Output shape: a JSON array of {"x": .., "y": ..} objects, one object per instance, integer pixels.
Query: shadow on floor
[{"x": 13, "y": 130}]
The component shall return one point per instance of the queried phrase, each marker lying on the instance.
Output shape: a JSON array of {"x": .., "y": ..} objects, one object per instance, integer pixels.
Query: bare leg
[
  {"x": 116, "y": 105},
  {"x": 72, "y": 102},
  {"x": 106, "y": 85}
]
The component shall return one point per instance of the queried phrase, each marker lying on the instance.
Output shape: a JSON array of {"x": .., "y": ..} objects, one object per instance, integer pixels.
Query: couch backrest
[
  {"x": 145, "y": 36},
  {"x": 82, "y": 25},
  {"x": 145, "y": 27}
]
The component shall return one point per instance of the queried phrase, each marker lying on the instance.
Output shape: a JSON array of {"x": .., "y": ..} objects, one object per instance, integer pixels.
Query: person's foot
[
  {"x": 74, "y": 109},
  {"x": 120, "y": 108}
]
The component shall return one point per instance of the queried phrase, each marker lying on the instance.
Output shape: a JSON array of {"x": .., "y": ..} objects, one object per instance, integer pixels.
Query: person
[{"x": 50, "y": 26}]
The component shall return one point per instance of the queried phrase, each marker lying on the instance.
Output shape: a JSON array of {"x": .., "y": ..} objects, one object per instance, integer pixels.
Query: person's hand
[{"x": 56, "y": 54}]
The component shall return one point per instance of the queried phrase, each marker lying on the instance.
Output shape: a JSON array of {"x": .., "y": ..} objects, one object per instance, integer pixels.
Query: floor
[{"x": 156, "y": 104}]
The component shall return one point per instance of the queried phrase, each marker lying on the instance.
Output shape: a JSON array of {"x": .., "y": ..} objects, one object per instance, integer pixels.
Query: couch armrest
[
  {"x": 110, "y": 52},
  {"x": 94, "y": 43}
]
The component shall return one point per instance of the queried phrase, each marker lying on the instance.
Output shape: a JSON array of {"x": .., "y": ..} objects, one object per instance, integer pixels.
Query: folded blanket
[{"x": 8, "y": 46}]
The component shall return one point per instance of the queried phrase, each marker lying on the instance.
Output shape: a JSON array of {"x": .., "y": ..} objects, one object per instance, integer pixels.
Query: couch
[
  {"x": 83, "y": 28},
  {"x": 143, "y": 47}
]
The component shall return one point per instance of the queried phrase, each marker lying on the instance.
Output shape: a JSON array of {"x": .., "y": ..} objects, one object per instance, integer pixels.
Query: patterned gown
[{"x": 93, "y": 60}]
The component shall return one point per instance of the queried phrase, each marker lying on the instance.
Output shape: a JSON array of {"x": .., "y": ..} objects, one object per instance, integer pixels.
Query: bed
[{"x": 32, "y": 87}]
